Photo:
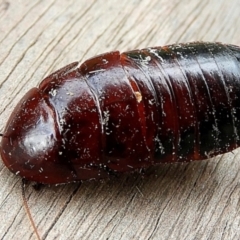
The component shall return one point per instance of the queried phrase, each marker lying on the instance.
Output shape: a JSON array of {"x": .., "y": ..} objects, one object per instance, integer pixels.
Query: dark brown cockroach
[{"x": 122, "y": 112}]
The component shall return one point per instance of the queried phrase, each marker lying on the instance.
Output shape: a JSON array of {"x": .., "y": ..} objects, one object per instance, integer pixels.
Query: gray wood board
[{"x": 197, "y": 200}]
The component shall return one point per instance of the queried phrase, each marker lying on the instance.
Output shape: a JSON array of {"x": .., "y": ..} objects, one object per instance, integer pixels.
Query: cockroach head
[{"x": 29, "y": 144}]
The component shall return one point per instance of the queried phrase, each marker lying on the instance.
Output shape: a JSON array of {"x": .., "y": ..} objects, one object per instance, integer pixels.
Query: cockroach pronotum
[{"x": 118, "y": 113}]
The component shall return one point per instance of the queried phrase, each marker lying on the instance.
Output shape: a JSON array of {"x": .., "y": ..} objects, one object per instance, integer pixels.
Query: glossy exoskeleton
[{"x": 123, "y": 112}]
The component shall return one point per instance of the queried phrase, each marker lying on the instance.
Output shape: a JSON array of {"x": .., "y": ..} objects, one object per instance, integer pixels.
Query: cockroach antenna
[{"x": 28, "y": 210}]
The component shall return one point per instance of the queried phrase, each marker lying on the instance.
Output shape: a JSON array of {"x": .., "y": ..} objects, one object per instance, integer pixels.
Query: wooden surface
[{"x": 198, "y": 200}]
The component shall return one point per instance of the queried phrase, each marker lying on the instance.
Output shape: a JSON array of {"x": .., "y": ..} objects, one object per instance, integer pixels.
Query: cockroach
[{"x": 118, "y": 113}]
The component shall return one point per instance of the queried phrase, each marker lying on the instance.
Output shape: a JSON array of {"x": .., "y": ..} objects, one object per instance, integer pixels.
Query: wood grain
[{"x": 199, "y": 200}]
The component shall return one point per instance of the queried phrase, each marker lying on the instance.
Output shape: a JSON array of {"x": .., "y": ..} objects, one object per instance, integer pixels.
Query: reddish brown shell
[{"x": 123, "y": 112}]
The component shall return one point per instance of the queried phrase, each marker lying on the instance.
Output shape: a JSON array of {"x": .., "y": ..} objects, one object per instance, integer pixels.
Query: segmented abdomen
[
  {"x": 196, "y": 89},
  {"x": 166, "y": 104}
]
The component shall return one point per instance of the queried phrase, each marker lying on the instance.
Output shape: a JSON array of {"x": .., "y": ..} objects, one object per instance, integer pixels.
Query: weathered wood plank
[{"x": 199, "y": 200}]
